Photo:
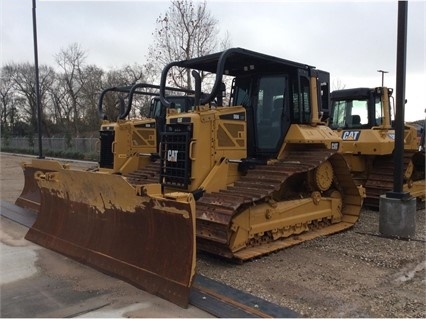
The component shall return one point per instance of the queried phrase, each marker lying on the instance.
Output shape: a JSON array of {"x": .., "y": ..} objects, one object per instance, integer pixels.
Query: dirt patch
[{"x": 356, "y": 273}]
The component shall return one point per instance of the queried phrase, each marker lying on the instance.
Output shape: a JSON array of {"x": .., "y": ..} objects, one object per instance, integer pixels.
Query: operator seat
[{"x": 356, "y": 121}]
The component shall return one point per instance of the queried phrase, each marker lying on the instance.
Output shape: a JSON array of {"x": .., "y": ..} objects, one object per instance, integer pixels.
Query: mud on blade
[
  {"x": 100, "y": 220},
  {"x": 30, "y": 195}
]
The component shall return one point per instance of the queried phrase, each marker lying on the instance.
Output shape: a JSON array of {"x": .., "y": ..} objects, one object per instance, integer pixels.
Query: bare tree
[
  {"x": 337, "y": 85},
  {"x": 22, "y": 78},
  {"x": 71, "y": 61},
  {"x": 185, "y": 31},
  {"x": 93, "y": 82},
  {"x": 133, "y": 73},
  {"x": 6, "y": 101},
  {"x": 225, "y": 42},
  {"x": 58, "y": 94}
]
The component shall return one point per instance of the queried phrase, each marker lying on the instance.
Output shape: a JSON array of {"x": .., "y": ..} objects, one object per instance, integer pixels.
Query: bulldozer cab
[
  {"x": 361, "y": 108},
  {"x": 274, "y": 93},
  {"x": 362, "y": 114},
  {"x": 277, "y": 101},
  {"x": 264, "y": 98}
]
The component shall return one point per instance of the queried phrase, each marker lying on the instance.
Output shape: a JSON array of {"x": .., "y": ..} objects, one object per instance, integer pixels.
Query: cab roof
[{"x": 239, "y": 61}]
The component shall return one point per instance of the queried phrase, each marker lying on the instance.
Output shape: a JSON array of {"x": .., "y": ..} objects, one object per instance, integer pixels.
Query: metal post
[
  {"x": 37, "y": 84},
  {"x": 383, "y": 76},
  {"x": 398, "y": 208},
  {"x": 400, "y": 98}
]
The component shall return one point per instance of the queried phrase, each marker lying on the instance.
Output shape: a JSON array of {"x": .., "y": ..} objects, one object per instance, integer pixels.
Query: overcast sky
[{"x": 351, "y": 40}]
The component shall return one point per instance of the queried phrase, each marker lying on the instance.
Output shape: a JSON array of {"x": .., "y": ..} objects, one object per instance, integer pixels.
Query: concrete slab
[{"x": 36, "y": 282}]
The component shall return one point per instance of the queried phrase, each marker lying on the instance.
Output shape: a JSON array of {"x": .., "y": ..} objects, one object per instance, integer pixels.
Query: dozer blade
[
  {"x": 30, "y": 196},
  {"x": 103, "y": 221}
]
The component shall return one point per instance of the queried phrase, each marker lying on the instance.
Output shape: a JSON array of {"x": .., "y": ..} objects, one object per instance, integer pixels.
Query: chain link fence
[{"x": 87, "y": 148}]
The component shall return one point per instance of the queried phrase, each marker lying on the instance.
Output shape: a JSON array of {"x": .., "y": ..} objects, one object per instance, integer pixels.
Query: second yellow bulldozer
[
  {"x": 362, "y": 117},
  {"x": 126, "y": 145}
]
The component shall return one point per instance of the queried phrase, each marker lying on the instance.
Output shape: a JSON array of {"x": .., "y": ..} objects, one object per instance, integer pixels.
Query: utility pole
[
  {"x": 37, "y": 83},
  {"x": 383, "y": 76}
]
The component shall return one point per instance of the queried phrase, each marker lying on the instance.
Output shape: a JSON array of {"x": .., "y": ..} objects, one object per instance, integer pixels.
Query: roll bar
[
  {"x": 101, "y": 98},
  {"x": 203, "y": 99},
  {"x": 131, "y": 90}
]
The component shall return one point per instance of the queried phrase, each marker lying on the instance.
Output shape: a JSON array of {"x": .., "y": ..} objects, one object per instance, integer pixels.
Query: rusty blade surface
[{"x": 99, "y": 220}]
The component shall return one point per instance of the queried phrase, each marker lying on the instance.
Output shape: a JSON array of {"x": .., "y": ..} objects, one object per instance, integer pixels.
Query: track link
[
  {"x": 380, "y": 180},
  {"x": 287, "y": 177}
]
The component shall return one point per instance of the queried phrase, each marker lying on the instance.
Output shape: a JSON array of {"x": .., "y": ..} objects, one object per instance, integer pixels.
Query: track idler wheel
[{"x": 321, "y": 178}]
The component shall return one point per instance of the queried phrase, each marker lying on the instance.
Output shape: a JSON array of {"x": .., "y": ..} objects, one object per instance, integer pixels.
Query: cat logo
[
  {"x": 172, "y": 155},
  {"x": 335, "y": 146},
  {"x": 351, "y": 135}
]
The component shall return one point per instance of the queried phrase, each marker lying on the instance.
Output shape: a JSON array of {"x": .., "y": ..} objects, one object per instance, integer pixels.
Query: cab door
[{"x": 271, "y": 118}]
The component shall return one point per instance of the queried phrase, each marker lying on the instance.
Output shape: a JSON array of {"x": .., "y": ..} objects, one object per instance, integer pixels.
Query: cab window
[{"x": 269, "y": 111}]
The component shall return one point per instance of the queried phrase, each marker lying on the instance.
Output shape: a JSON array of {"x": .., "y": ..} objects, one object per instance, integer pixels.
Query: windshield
[{"x": 349, "y": 114}]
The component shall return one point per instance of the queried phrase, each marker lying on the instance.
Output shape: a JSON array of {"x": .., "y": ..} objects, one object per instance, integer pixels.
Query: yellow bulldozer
[
  {"x": 362, "y": 117},
  {"x": 101, "y": 219},
  {"x": 126, "y": 145},
  {"x": 242, "y": 180},
  {"x": 264, "y": 169}
]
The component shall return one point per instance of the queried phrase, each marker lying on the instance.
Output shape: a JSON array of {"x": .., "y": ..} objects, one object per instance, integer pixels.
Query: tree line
[{"x": 69, "y": 92}]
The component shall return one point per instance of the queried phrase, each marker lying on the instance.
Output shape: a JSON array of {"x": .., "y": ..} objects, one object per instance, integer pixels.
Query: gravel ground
[{"x": 355, "y": 273}]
